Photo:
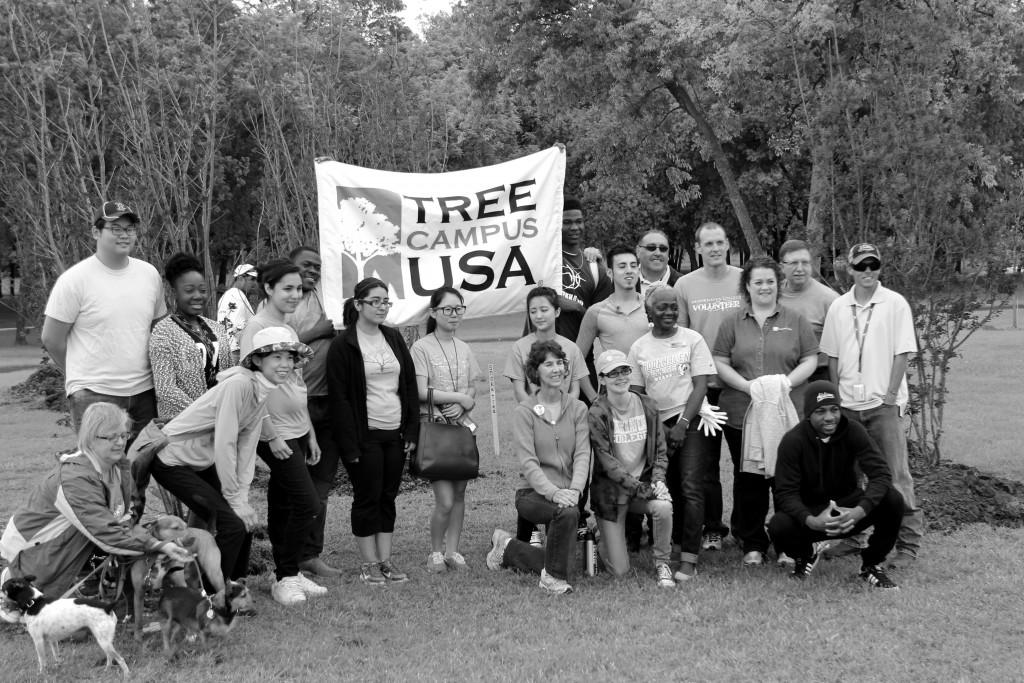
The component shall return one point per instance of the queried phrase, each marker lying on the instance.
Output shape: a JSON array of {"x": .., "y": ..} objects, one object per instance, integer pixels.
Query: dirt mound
[{"x": 953, "y": 495}]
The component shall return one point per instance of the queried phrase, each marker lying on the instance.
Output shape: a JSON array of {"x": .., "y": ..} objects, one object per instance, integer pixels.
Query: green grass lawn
[{"x": 957, "y": 616}]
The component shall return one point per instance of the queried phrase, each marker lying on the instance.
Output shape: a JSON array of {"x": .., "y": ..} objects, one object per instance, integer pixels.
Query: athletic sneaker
[
  {"x": 664, "y": 573},
  {"x": 455, "y": 560},
  {"x": 496, "y": 555},
  {"x": 876, "y": 577},
  {"x": 288, "y": 591},
  {"x": 535, "y": 539},
  {"x": 310, "y": 588},
  {"x": 803, "y": 566},
  {"x": 686, "y": 571},
  {"x": 712, "y": 540},
  {"x": 755, "y": 558},
  {"x": 436, "y": 563},
  {"x": 370, "y": 573},
  {"x": 392, "y": 573},
  {"x": 553, "y": 585}
]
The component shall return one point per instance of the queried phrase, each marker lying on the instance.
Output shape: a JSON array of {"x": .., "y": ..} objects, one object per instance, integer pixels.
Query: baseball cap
[
  {"x": 111, "y": 211},
  {"x": 245, "y": 269},
  {"x": 863, "y": 251},
  {"x": 609, "y": 360}
]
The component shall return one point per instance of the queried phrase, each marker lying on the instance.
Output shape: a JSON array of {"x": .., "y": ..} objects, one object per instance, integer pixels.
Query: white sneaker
[
  {"x": 288, "y": 591},
  {"x": 664, "y": 573},
  {"x": 455, "y": 560},
  {"x": 711, "y": 541},
  {"x": 784, "y": 560},
  {"x": 310, "y": 587},
  {"x": 436, "y": 563},
  {"x": 753, "y": 559},
  {"x": 553, "y": 585},
  {"x": 499, "y": 541},
  {"x": 536, "y": 540}
]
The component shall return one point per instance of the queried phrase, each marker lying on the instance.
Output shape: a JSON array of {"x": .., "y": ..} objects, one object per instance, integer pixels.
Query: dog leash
[{"x": 69, "y": 592}]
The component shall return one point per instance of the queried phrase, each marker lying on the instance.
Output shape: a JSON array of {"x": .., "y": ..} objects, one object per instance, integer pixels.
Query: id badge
[{"x": 859, "y": 394}]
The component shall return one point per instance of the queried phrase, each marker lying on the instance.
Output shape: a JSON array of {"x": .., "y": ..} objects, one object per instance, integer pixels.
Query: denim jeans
[
  {"x": 793, "y": 537},
  {"x": 684, "y": 478},
  {"x": 751, "y": 496},
  {"x": 323, "y": 473},
  {"x": 559, "y": 549},
  {"x": 712, "y": 455},
  {"x": 613, "y": 534},
  {"x": 885, "y": 426},
  {"x": 141, "y": 408},
  {"x": 293, "y": 505}
]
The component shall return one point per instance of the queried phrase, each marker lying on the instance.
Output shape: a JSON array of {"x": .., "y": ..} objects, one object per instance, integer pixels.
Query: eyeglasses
[
  {"x": 866, "y": 265},
  {"x": 801, "y": 264},
  {"x": 663, "y": 248},
  {"x": 120, "y": 230},
  {"x": 120, "y": 436},
  {"x": 618, "y": 372},
  {"x": 451, "y": 310},
  {"x": 377, "y": 303}
]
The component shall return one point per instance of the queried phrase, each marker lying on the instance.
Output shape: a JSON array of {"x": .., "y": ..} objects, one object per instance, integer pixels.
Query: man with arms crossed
[
  {"x": 869, "y": 337},
  {"x": 316, "y": 331},
  {"x": 98, "y": 319},
  {"x": 707, "y": 296}
]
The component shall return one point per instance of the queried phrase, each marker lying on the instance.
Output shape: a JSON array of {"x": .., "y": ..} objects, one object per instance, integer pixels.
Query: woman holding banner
[
  {"x": 446, "y": 365},
  {"x": 371, "y": 384}
]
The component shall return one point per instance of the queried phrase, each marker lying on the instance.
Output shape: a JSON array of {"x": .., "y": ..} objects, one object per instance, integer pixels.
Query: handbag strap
[{"x": 430, "y": 402}]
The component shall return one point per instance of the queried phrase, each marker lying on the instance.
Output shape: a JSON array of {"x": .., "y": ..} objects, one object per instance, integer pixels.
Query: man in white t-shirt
[
  {"x": 98, "y": 319},
  {"x": 707, "y": 296},
  {"x": 869, "y": 338},
  {"x": 234, "y": 308}
]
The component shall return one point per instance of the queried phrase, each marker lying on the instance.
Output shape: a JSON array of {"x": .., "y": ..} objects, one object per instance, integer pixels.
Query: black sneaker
[
  {"x": 803, "y": 566},
  {"x": 876, "y": 577}
]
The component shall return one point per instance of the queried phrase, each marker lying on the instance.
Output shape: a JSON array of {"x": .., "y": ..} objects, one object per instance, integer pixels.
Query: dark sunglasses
[
  {"x": 655, "y": 247},
  {"x": 867, "y": 265}
]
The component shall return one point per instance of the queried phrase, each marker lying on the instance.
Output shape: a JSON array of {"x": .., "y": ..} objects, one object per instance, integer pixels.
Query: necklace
[
  {"x": 375, "y": 352},
  {"x": 570, "y": 255},
  {"x": 454, "y": 376}
]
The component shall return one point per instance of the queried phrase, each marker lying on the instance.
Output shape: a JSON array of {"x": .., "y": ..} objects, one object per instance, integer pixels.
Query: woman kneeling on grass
[
  {"x": 630, "y": 458},
  {"x": 447, "y": 365},
  {"x": 371, "y": 382},
  {"x": 80, "y": 507},
  {"x": 552, "y": 441},
  {"x": 210, "y": 459}
]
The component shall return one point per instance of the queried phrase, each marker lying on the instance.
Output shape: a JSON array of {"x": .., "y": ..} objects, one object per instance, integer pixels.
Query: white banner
[{"x": 491, "y": 232}]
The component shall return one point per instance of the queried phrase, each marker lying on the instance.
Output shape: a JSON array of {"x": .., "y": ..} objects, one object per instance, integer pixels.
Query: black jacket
[
  {"x": 346, "y": 390},
  {"x": 810, "y": 472}
]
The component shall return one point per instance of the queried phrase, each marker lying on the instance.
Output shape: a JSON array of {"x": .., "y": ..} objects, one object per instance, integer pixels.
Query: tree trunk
[
  {"x": 818, "y": 195},
  {"x": 681, "y": 93}
]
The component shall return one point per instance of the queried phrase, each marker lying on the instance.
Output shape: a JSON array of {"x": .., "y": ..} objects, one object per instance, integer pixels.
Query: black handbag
[{"x": 444, "y": 452}]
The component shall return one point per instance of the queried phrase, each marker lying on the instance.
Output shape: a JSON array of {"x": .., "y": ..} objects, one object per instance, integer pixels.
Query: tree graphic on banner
[{"x": 367, "y": 234}]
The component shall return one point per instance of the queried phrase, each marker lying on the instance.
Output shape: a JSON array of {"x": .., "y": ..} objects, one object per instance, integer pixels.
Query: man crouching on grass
[{"x": 818, "y": 494}]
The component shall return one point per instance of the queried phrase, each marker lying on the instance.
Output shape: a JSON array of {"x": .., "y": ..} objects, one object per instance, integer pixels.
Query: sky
[{"x": 415, "y": 8}]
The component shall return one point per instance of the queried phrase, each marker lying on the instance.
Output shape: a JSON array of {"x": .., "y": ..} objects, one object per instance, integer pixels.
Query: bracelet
[{"x": 684, "y": 420}]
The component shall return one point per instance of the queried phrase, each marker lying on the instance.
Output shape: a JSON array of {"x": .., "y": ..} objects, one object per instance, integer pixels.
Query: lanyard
[{"x": 861, "y": 338}]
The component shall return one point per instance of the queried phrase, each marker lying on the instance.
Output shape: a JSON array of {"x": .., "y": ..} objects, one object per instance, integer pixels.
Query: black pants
[
  {"x": 200, "y": 492},
  {"x": 751, "y": 495},
  {"x": 323, "y": 473},
  {"x": 713, "y": 506},
  {"x": 375, "y": 482},
  {"x": 293, "y": 505},
  {"x": 793, "y": 537}
]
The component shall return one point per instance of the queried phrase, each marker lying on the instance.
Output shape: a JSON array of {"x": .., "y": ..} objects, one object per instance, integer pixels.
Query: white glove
[
  {"x": 711, "y": 418},
  {"x": 661, "y": 491}
]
